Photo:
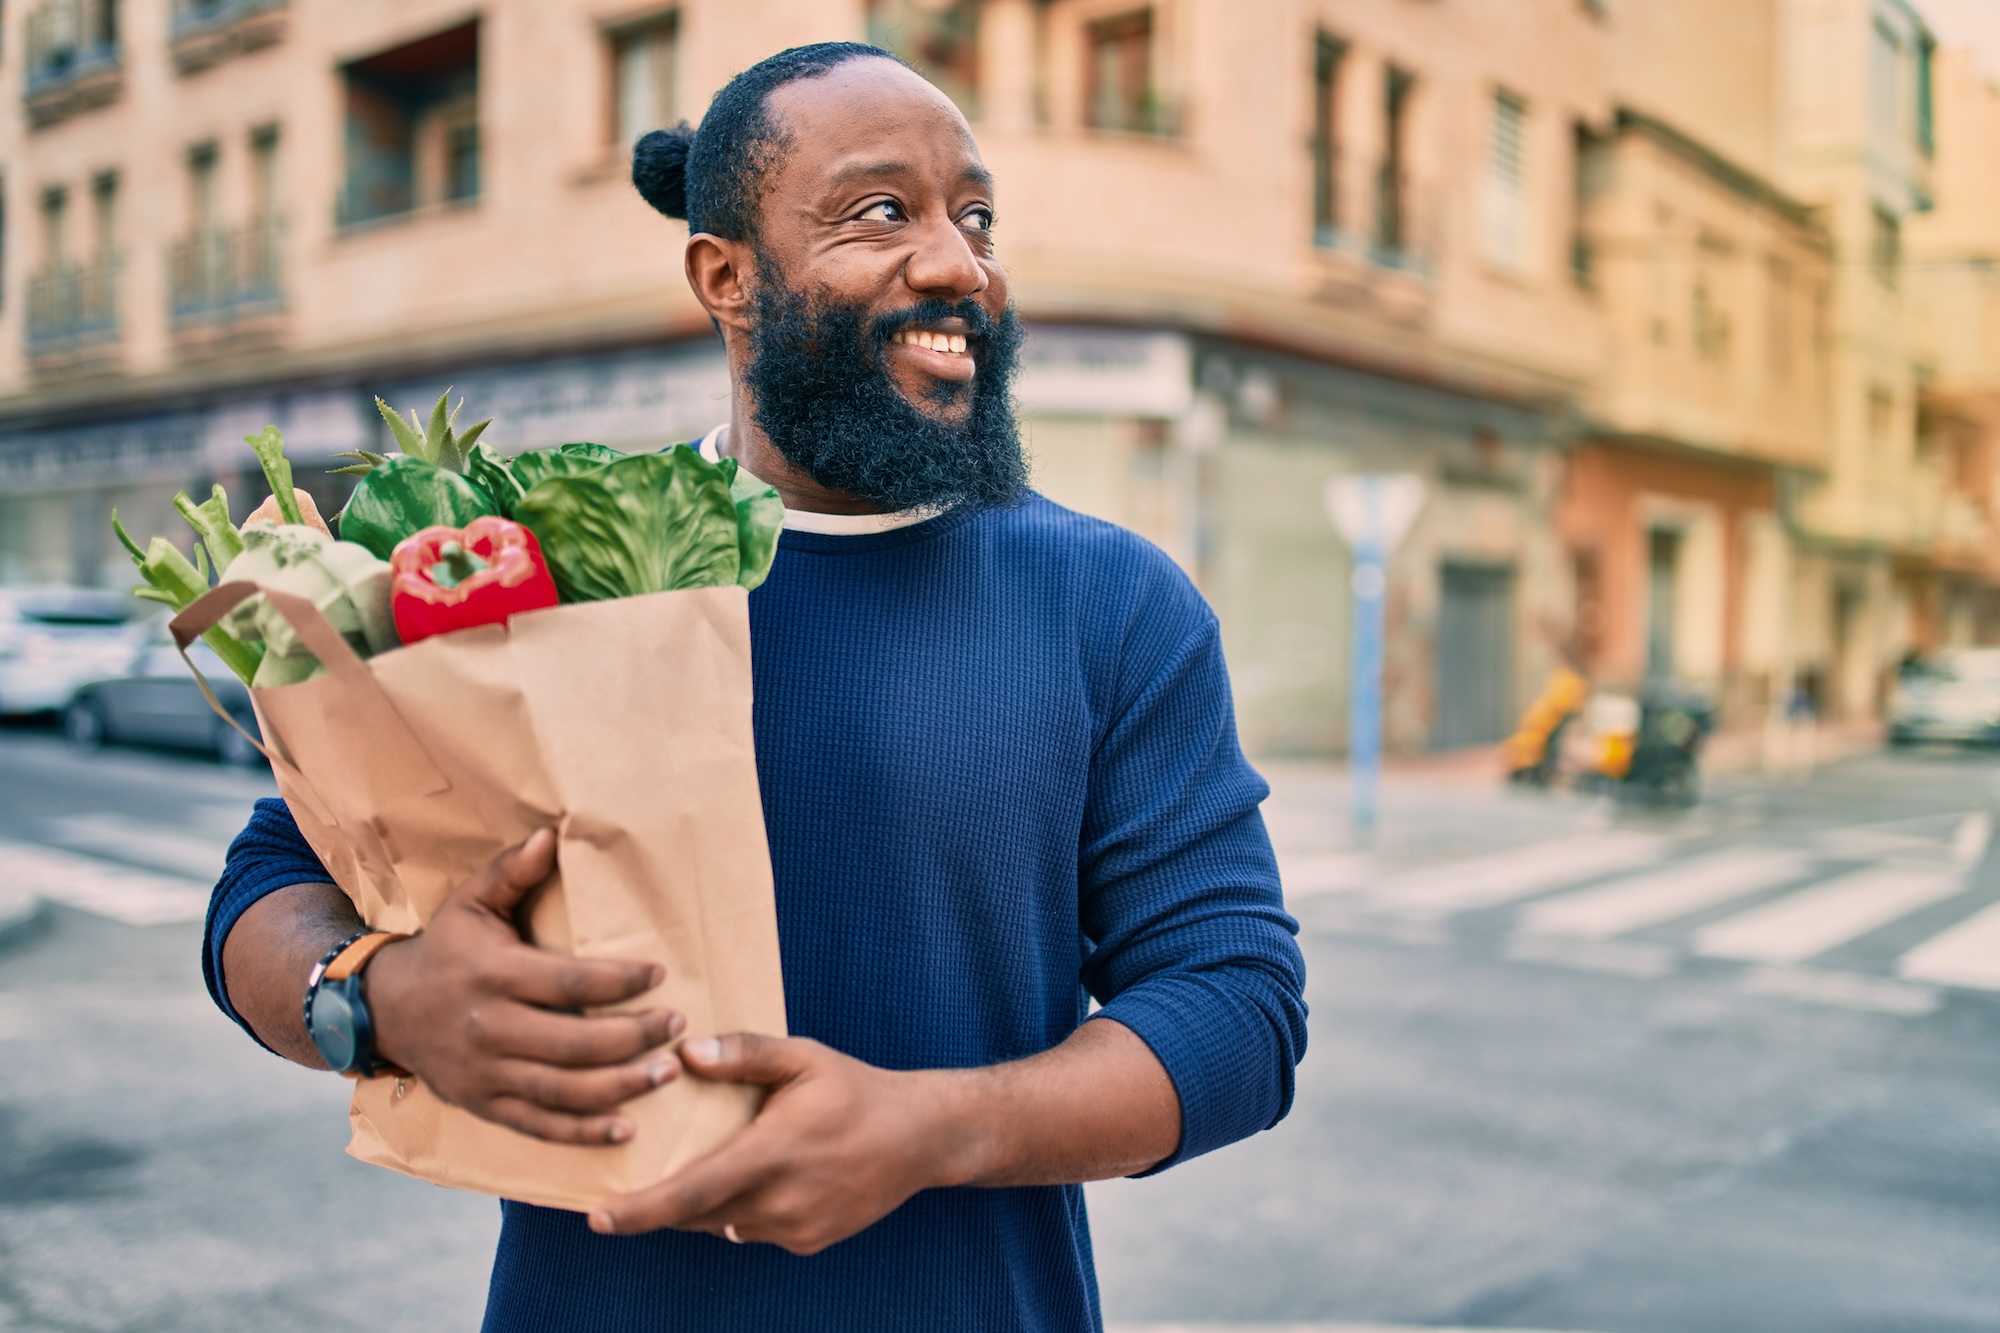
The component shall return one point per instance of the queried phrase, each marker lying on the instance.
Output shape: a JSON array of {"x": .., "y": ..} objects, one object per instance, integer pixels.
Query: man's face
[{"x": 881, "y": 347}]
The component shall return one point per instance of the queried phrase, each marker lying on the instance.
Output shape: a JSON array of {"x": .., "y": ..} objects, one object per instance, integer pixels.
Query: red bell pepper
[{"x": 442, "y": 579}]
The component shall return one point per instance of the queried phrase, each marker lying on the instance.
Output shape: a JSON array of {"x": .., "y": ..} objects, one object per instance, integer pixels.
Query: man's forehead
[{"x": 872, "y": 119}]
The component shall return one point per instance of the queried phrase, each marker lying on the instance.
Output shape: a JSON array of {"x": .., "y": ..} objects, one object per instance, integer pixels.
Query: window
[
  {"x": 55, "y": 225},
  {"x": 939, "y": 37},
  {"x": 264, "y": 172},
  {"x": 1392, "y": 185},
  {"x": 1710, "y": 322},
  {"x": 1885, "y": 78},
  {"x": 1507, "y": 182},
  {"x": 104, "y": 213},
  {"x": 1885, "y": 250},
  {"x": 1328, "y": 52},
  {"x": 412, "y": 126},
  {"x": 1778, "y": 287},
  {"x": 201, "y": 186},
  {"x": 1590, "y": 163},
  {"x": 642, "y": 59},
  {"x": 1926, "y": 96},
  {"x": 1120, "y": 94}
]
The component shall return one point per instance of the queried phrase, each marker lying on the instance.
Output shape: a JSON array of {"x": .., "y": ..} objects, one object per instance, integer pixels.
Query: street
[{"x": 1721, "y": 1071}]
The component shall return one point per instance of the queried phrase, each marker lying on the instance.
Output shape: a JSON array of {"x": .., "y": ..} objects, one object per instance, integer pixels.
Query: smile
[{"x": 952, "y": 344}]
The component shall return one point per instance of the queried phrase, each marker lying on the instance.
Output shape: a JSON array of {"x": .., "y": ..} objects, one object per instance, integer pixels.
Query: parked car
[
  {"x": 158, "y": 703},
  {"x": 1949, "y": 695},
  {"x": 52, "y": 640}
]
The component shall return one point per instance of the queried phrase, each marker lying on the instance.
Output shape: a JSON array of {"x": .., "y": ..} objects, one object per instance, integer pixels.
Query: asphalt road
[{"x": 1727, "y": 1071}]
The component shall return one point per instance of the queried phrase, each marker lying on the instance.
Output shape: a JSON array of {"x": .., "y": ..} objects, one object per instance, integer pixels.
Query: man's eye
[
  {"x": 886, "y": 211},
  {"x": 979, "y": 219}
]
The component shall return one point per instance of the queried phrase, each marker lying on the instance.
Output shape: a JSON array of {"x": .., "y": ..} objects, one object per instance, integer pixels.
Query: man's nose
[{"x": 944, "y": 265}]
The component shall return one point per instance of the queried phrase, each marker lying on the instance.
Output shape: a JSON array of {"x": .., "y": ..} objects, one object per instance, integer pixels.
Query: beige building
[{"x": 1258, "y": 247}]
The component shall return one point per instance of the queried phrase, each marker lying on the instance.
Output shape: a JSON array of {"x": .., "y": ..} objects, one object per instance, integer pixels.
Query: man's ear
[{"x": 718, "y": 273}]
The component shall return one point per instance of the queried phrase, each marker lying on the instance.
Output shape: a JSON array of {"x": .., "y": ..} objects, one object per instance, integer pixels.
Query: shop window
[
  {"x": 412, "y": 127},
  {"x": 1329, "y": 53},
  {"x": 1120, "y": 91},
  {"x": 939, "y": 37},
  {"x": 643, "y": 57}
]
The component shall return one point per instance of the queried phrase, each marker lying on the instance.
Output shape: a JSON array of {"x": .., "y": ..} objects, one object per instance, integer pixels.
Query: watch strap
[{"x": 355, "y": 954}]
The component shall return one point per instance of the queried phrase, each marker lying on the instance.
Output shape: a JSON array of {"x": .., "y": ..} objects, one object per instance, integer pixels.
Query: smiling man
[{"x": 1000, "y": 776}]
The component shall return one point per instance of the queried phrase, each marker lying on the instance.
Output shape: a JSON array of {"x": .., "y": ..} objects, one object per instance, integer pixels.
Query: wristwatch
[{"x": 337, "y": 1014}]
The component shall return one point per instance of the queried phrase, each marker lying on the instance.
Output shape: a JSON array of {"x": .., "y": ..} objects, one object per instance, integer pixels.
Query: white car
[
  {"x": 55, "y": 640},
  {"x": 1949, "y": 695}
]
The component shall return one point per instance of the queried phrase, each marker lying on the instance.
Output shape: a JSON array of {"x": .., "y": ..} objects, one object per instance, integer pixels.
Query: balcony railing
[
  {"x": 198, "y": 16},
  {"x": 223, "y": 274},
  {"x": 68, "y": 40},
  {"x": 72, "y": 306},
  {"x": 204, "y": 32}
]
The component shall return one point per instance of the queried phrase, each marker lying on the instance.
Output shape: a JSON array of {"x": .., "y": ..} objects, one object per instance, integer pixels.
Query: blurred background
[{"x": 1685, "y": 315}]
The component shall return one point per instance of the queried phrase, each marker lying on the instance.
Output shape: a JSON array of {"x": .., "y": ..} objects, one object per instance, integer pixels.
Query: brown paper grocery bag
[{"x": 625, "y": 726}]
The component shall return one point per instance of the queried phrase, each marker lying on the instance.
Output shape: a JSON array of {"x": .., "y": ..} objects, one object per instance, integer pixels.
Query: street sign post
[{"x": 1373, "y": 512}]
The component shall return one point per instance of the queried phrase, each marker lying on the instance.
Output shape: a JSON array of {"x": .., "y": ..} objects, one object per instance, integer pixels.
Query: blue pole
[{"x": 1364, "y": 721}]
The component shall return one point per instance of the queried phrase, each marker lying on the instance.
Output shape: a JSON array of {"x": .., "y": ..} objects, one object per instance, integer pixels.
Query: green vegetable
[
  {"x": 174, "y": 582},
  {"x": 646, "y": 523},
  {"x": 491, "y": 476},
  {"x": 404, "y": 496},
  {"x": 536, "y": 466},
  {"x": 270, "y": 449},
  {"x": 348, "y": 585},
  {"x": 210, "y": 520},
  {"x": 760, "y": 518},
  {"x": 437, "y": 442}
]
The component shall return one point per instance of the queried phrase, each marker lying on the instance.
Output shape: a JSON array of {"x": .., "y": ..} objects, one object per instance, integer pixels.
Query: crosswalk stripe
[
  {"x": 1806, "y": 924},
  {"x": 1505, "y": 877},
  {"x": 1652, "y": 898},
  {"x": 1968, "y": 954},
  {"x": 135, "y": 897}
]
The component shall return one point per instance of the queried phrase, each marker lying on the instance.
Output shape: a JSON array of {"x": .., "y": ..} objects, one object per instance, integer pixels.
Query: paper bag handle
[{"x": 379, "y": 719}]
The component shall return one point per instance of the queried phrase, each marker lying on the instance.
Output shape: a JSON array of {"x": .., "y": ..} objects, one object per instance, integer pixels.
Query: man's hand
[
  {"x": 837, "y": 1147},
  {"x": 839, "y": 1144},
  {"x": 469, "y": 1007}
]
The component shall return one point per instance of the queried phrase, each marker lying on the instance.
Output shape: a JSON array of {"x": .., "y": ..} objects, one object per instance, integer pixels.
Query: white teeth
[{"x": 936, "y": 342}]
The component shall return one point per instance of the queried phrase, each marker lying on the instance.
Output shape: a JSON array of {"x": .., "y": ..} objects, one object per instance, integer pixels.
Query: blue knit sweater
[{"x": 1001, "y": 776}]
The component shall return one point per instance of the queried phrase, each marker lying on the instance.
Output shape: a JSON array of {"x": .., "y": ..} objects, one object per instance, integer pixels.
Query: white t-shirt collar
[{"x": 837, "y": 525}]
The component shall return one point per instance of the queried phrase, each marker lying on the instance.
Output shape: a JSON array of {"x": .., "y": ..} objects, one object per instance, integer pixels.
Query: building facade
[{"x": 1616, "y": 326}]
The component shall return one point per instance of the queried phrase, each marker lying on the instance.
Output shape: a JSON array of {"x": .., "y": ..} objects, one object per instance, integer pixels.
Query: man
[{"x": 1000, "y": 775}]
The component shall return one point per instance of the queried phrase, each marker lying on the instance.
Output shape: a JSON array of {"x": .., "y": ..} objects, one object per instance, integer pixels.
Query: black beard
[{"x": 819, "y": 381}]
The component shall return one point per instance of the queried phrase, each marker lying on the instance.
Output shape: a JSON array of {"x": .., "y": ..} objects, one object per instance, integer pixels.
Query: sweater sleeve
[
  {"x": 1190, "y": 944},
  {"x": 269, "y": 854}
]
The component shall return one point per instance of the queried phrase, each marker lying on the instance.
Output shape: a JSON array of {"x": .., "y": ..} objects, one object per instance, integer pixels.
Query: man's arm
[
  {"x": 841, "y": 1144},
  {"x": 467, "y": 1006}
]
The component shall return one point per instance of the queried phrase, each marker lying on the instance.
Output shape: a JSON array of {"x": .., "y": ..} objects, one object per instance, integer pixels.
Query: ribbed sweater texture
[{"x": 1001, "y": 778}]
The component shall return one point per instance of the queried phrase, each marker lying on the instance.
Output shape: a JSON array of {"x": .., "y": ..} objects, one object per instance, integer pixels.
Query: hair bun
[{"x": 659, "y": 168}]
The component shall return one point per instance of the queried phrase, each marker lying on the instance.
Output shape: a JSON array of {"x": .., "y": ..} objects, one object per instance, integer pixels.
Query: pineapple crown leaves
[{"x": 437, "y": 442}]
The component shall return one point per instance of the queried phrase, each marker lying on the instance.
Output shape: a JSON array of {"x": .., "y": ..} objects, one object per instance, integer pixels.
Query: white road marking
[
  {"x": 1620, "y": 957},
  {"x": 1968, "y": 954},
  {"x": 1805, "y": 924},
  {"x": 1970, "y": 839},
  {"x": 193, "y": 855},
  {"x": 135, "y": 897},
  {"x": 1509, "y": 876},
  {"x": 1845, "y": 990},
  {"x": 1663, "y": 895}
]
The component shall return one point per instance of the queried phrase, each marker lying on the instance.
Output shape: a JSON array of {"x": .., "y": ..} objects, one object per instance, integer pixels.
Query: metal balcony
[
  {"x": 221, "y": 275},
  {"x": 73, "y": 306}
]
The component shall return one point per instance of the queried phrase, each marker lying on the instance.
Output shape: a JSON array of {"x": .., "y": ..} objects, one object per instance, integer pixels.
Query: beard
[{"x": 819, "y": 380}]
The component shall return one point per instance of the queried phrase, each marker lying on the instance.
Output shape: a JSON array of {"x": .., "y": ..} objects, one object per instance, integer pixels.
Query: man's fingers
[
  {"x": 578, "y": 1043},
  {"x": 502, "y": 882},
  {"x": 584, "y": 1091},
  {"x": 557, "y": 1127},
  {"x": 694, "y": 1194},
  {"x": 555, "y": 981},
  {"x": 748, "y": 1057}
]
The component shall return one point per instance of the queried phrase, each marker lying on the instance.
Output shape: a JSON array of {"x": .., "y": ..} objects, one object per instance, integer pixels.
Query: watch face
[{"x": 333, "y": 1026}]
